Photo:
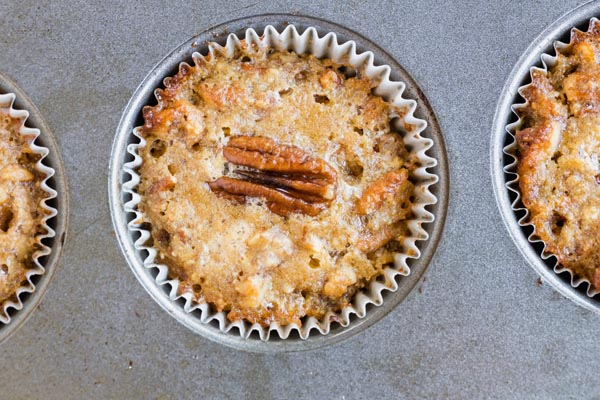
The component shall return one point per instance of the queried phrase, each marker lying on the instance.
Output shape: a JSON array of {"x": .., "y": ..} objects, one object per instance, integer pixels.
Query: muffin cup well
[
  {"x": 547, "y": 59},
  {"x": 322, "y": 47},
  {"x": 32, "y": 134},
  {"x": 393, "y": 286}
]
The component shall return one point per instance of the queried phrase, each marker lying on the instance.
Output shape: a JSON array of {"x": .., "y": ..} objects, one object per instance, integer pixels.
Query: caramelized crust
[
  {"x": 20, "y": 211},
  {"x": 252, "y": 180},
  {"x": 559, "y": 145}
]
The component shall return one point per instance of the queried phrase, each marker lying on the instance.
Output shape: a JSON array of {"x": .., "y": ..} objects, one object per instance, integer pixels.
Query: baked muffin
[
  {"x": 559, "y": 146},
  {"x": 20, "y": 211},
  {"x": 273, "y": 184}
]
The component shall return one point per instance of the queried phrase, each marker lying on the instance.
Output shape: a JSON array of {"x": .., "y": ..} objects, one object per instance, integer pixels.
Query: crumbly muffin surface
[
  {"x": 273, "y": 184},
  {"x": 20, "y": 212},
  {"x": 559, "y": 145}
]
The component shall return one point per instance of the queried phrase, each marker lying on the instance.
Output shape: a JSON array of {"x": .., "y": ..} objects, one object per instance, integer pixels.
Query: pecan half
[
  {"x": 278, "y": 201},
  {"x": 290, "y": 179}
]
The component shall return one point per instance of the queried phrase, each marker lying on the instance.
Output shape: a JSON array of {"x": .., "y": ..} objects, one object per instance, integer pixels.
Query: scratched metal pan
[
  {"x": 58, "y": 223},
  {"x": 502, "y": 162},
  {"x": 132, "y": 117}
]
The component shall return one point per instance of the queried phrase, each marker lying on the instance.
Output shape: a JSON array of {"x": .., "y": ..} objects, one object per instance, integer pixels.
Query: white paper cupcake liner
[
  {"x": 548, "y": 61},
  {"x": 6, "y": 105},
  {"x": 327, "y": 46}
]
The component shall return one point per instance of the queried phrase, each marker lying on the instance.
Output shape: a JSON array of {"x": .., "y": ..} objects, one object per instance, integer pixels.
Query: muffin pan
[
  {"x": 121, "y": 200},
  {"x": 503, "y": 161},
  {"x": 54, "y": 240},
  {"x": 98, "y": 334}
]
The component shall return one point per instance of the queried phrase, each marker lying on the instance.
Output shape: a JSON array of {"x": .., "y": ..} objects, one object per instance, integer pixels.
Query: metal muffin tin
[
  {"x": 132, "y": 117},
  {"x": 58, "y": 223},
  {"x": 520, "y": 75}
]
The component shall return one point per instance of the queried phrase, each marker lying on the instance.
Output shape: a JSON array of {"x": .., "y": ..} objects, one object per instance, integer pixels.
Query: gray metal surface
[
  {"x": 543, "y": 44},
  {"x": 480, "y": 325},
  {"x": 132, "y": 117}
]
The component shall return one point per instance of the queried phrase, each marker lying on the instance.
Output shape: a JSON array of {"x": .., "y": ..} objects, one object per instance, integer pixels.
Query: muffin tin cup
[
  {"x": 15, "y": 311},
  {"x": 306, "y": 37},
  {"x": 540, "y": 55}
]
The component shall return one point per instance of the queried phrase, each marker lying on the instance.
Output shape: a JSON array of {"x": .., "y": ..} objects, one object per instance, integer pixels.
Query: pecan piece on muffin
[{"x": 286, "y": 176}]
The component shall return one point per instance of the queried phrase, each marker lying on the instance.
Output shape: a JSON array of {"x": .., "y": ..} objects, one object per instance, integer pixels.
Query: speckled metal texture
[
  {"x": 132, "y": 117},
  {"x": 479, "y": 324},
  {"x": 501, "y": 159}
]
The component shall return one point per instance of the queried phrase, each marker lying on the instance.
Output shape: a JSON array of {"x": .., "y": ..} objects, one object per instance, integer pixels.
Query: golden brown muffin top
[
  {"x": 559, "y": 145},
  {"x": 273, "y": 183},
  {"x": 20, "y": 211}
]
